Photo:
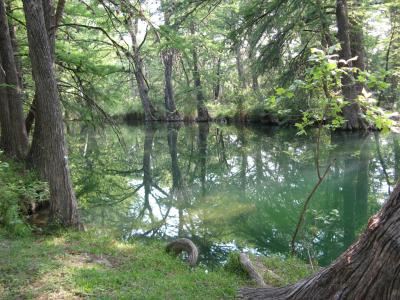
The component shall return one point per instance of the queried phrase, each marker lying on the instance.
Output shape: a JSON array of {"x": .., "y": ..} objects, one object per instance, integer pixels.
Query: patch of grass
[
  {"x": 276, "y": 271},
  {"x": 284, "y": 271},
  {"x": 73, "y": 265}
]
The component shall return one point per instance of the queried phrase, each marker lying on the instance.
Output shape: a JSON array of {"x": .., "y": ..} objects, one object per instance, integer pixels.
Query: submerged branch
[{"x": 301, "y": 218}]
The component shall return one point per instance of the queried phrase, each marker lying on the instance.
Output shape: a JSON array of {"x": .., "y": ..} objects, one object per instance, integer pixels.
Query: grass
[
  {"x": 276, "y": 270},
  {"x": 73, "y": 265},
  {"x": 283, "y": 271},
  {"x": 89, "y": 265}
]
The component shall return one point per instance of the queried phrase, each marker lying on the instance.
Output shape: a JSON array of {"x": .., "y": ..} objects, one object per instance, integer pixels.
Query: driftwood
[
  {"x": 184, "y": 245},
  {"x": 253, "y": 274}
]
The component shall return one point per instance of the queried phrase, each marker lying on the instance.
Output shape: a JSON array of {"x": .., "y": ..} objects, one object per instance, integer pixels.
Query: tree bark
[
  {"x": 168, "y": 60},
  {"x": 172, "y": 113},
  {"x": 18, "y": 136},
  {"x": 5, "y": 123},
  {"x": 50, "y": 155},
  {"x": 202, "y": 112},
  {"x": 369, "y": 269},
  {"x": 357, "y": 44},
  {"x": 239, "y": 68},
  {"x": 217, "y": 86},
  {"x": 14, "y": 44},
  {"x": 132, "y": 27},
  {"x": 352, "y": 111},
  {"x": 52, "y": 20}
]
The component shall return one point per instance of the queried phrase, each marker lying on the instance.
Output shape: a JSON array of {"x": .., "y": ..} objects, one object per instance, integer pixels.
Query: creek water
[{"x": 232, "y": 188}]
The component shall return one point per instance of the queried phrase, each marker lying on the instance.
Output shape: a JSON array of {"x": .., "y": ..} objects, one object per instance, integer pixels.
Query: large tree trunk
[
  {"x": 352, "y": 111},
  {"x": 369, "y": 269},
  {"x": 51, "y": 20},
  {"x": 50, "y": 155},
  {"x": 18, "y": 136},
  {"x": 202, "y": 112},
  {"x": 5, "y": 123}
]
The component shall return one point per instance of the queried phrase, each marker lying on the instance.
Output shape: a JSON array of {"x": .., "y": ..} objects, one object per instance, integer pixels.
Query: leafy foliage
[{"x": 18, "y": 190}]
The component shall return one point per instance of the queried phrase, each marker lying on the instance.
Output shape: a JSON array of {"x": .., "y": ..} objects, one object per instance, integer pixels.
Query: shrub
[{"x": 18, "y": 189}]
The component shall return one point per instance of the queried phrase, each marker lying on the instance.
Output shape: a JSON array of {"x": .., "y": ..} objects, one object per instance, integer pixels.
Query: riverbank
[{"x": 77, "y": 265}]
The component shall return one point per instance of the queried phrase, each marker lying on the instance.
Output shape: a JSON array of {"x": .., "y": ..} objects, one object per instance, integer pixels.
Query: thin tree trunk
[
  {"x": 255, "y": 85},
  {"x": 168, "y": 60},
  {"x": 325, "y": 32},
  {"x": 352, "y": 111},
  {"x": 14, "y": 44},
  {"x": 19, "y": 138},
  {"x": 242, "y": 82},
  {"x": 369, "y": 269},
  {"x": 202, "y": 112},
  {"x": 132, "y": 23},
  {"x": 172, "y": 113},
  {"x": 50, "y": 156},
  {"x": 239, "y": 68},
  {"x": 357, "y": 43},
  {"x": 217, "y": 86}
]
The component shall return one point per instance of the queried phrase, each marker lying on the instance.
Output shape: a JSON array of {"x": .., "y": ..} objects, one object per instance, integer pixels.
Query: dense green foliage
[
  {"x": 269, "y": 41},
  {"x": 19, "y": 190}
]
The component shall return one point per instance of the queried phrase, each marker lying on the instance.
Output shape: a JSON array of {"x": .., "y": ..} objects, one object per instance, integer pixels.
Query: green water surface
[{"x": 230, "y": 188}]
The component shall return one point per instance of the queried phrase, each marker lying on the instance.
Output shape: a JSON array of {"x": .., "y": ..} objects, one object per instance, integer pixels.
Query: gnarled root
[
  {"x": 253, "y": 274},
  {"x": 179, "y": 245}
]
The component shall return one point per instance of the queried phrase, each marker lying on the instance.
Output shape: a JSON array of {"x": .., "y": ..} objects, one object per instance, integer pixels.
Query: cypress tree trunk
[
  {"x": 357, "y": 43},
  {"x": 352, "y": 111},
  {"x": 217, "y": 86},
  {"x": 239, "y": 68},
  {"x": 132, "y": 27},
  {"x": 14, "y": 43},
  {"x": 18, "y": 136},
  {"x": 168, "y": 61},
  {"x": 51, "y": 20},
  {"x": 50, "y": 155},
  {"x": 369, "y": 269},
  {"x": 172, "y": 113},
  {"x": 202, "y": 112},
  {"x": 5, "y": 123}
]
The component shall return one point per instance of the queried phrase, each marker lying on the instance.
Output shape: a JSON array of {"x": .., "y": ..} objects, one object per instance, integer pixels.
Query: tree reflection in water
[{"x": 229, "y": 187}]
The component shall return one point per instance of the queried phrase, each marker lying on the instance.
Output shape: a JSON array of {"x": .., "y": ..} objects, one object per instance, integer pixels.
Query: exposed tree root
[
  {"x": 186, "y": 245},
  {"x": 253, "y": 274}
]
